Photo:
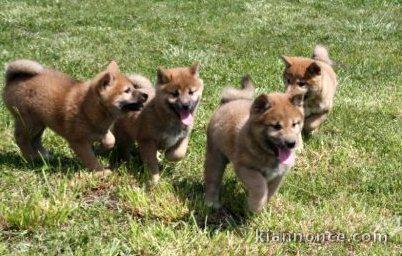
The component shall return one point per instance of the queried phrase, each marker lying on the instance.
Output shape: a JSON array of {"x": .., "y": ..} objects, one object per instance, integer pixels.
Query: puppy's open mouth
[
  {"x": 186, "y": 116},
  {"x": 135, "y": 106},
  {"x": 283, "y": 154}
]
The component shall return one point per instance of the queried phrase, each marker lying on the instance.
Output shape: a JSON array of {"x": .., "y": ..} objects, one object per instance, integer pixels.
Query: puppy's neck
[{"x": 96, "y": 112}]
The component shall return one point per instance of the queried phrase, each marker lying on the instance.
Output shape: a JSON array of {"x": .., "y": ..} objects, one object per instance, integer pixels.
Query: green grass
[{"x": 348, "y": 179}]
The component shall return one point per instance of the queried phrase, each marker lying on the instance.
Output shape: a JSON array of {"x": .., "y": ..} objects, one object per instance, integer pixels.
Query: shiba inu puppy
[
  {"x": 81, "y": 112},
  {"x": 258, "y": 137},
  {"x": 316, "y": 78},
  {"x": 166, "y": 121}
]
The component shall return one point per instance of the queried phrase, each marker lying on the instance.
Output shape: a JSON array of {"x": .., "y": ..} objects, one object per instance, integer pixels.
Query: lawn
[{"x": 347, "y": 180}]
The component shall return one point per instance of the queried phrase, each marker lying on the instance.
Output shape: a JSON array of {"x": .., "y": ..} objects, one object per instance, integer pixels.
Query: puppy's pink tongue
[
  {"x": 186, "y": 117},
  {"x": 286, "y": 156}
]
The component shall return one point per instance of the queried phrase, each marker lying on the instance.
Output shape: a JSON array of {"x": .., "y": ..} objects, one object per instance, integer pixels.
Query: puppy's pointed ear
[
  {"x": 287, "y": 60},
  {"x": 195, "y": 68},
  {"x": 106, "y": 78},
  {"x": 162, "y": 76},
  {"x": 297, "y": 99},
  {"x": 314, "y": 69},
  {"x": 113, "y": 68},
  {"x": 260, "y": 104},
  {"x": 104, "y": 81}
]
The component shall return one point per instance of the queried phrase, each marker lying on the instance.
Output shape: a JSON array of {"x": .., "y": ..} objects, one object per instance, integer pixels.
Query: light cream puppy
[{"x": 315, "y": 78}]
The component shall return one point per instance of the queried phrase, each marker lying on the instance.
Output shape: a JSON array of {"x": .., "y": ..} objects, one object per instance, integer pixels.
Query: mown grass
[{"x": 347, "y": 180}]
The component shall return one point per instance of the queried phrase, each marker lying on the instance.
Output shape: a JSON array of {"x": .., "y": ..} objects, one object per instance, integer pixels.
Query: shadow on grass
[
  {"x": 191, "y": 192},
  {"x": 230, "y": 216},
  {"x": 12, "y": 160},
  {"x": 56, "y": 164}
]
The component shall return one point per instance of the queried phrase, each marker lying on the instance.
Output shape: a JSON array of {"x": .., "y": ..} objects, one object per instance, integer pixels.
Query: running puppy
[
  {"x": 258, "y": 137},
  {"x": 80, "y": 112},
  {"x": 166, "y": 121},
  {"x": 316, "y": 78}
]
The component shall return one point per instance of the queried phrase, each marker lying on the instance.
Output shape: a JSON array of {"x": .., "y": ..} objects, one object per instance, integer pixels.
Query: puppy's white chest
[
  {"x": 272, "y": 173},
  {"x": 169, "y": 141},
  {"x": 171, "y": 137}
]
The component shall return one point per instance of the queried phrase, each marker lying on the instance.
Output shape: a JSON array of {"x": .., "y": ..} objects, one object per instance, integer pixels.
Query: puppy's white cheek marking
[{"x": 194, "y": 96}]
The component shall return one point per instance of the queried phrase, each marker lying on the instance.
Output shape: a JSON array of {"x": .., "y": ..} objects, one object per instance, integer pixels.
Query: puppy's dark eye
[
  {"x": 276, "y": 126},
  {"x": 128, "y": 90},
  {"x": 136, "y": 86},
  {"x": 191, "y": 92},
  {"x": 175, "y": 93},
  {"x": 302, "y": 83},
  {"x": 296, "y": 123},
  {"x": 288, "y": 80}
]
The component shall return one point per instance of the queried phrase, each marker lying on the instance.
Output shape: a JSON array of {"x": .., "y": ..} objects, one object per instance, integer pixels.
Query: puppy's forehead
[
  {"x": 122, "y": 80},
  {"x": 281, "y": 108},
  {"x": 182, "y": 79},
  {"x": 299, "y": 66}
]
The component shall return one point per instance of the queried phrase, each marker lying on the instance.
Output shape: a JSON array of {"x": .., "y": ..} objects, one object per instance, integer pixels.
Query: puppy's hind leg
[
  {"x": 215, "y": 164},
  {"x": 37, "y": 143},
  {"x": 313, "y": 122},
  {"x": 28, "y": 138}
]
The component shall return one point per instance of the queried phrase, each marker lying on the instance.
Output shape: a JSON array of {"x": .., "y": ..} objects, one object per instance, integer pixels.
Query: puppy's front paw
[
  {"x": 155, "y": 178},
  {"x": 108, "y": 141}
]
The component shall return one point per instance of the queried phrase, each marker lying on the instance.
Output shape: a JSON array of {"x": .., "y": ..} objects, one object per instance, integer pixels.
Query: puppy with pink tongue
[
  {"x": 186, "y": 117},
  {"x": 166, "y": 121},
  {"x": 286, "y": 156},
  {"x": 258, "y": 137}
]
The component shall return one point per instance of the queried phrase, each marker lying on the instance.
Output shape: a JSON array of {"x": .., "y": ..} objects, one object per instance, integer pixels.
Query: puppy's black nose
[
  {"x": 290, "y": 144},
  {"x": 186, "y": 106},
  {"x": 144, "y": 96}
]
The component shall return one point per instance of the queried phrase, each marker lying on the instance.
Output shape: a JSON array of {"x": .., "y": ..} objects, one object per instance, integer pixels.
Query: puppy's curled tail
[
  {"x": 22, "y": 68},
  {"x": 246, "y": 92},
  {"x": 321, "y": 53}
]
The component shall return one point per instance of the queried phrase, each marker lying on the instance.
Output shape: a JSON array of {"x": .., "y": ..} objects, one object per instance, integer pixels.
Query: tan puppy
[
  {"x": 166, "y": 121},
  {"x": 258, "y": 137},
  {"x": 81, "y": 112},
  {"x": 316, "y": 78}
]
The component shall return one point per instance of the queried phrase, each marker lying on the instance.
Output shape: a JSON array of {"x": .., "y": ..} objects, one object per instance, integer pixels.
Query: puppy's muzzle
[
  {"x": 187, "y": 106},
  {"x": 136, "y": 104},
  {"x": 290, "y": 144}
]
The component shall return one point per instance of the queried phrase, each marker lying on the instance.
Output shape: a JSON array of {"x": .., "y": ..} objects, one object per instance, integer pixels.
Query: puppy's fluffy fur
[
  {"x": 81, "y": 112},
  {"x": 254, "y": 136},
  {"x": 166, "y": 121},
  {"x": 316, "y": 78}
]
